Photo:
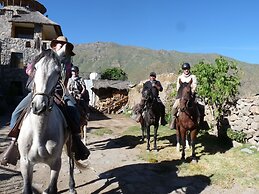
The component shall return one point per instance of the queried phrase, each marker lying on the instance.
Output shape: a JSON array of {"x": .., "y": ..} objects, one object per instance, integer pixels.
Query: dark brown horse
[
  {"x": 84, "y": 111},
  {"x": 187, "y": 119},
  {"x": 150, "y": 116}
]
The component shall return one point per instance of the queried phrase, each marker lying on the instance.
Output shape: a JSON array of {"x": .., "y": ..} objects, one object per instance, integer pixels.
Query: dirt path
[{"x": 114, "y": 166}]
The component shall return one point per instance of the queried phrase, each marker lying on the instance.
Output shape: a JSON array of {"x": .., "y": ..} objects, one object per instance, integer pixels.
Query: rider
[
  {"x": 186, "y": 76},
  {"x": 76, "y": 87},
  {"x": 156, "y": 87},
  {"x": 81, "y": 152}
]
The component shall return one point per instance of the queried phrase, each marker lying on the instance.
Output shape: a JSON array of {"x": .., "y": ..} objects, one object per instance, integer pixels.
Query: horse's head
[
  {"x": 185, "y": 94},
  {"x": 147, "y": 95},
  {"x": 47, "y": 73}
]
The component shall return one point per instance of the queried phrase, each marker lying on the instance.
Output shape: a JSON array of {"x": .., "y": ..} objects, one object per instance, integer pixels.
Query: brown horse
[
  {"x": 187, "y": 119},
  {"x": 84, "y": 111}
]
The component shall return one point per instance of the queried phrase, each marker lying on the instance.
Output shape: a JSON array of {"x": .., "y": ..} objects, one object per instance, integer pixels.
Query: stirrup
[{"x": 11, "y": 154}]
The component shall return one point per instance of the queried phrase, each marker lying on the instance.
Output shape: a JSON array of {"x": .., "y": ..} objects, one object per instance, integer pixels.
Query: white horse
[{"x": 43, "y": 131}]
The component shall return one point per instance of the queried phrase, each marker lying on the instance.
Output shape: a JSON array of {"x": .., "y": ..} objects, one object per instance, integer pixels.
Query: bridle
[
  {"x": 185, "y": 108},
  {"x": 148, "y": 97},
  {"x": 50, "y": 96},
  {"x": 186, "y": 99}
]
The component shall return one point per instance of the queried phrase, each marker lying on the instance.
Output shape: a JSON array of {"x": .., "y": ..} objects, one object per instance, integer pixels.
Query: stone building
[{"x": 24, "y": 29}]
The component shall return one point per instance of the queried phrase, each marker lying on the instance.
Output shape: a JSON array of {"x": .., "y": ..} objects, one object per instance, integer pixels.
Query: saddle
[
  {"x": 16, "y": 129},
  {"x": 14, "y": 132}
]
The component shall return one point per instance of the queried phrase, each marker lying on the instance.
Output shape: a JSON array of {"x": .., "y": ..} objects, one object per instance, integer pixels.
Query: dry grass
[{"x": 224, "y": 164}]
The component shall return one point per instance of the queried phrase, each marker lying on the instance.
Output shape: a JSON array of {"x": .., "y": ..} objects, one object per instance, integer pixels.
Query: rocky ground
[{"x": 113, "y": 167}]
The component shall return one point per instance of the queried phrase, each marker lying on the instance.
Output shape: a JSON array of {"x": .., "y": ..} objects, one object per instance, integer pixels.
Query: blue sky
[{"x": 225, "y": 27}]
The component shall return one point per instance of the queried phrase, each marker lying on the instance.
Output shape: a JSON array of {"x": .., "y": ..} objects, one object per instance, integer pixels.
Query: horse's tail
[{"x": 70, "y": 154}]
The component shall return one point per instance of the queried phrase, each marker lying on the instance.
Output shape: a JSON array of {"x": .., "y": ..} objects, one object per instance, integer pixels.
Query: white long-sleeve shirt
[{"x": 187, "y": 79}]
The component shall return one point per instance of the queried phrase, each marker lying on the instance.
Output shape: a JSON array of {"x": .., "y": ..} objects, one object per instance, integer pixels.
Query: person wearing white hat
[
  {"x": 72, "y": 113},
  {"x": 81, "y": 152}
]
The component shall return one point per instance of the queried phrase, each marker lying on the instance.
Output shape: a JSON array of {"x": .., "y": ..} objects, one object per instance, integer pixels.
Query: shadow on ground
[
  {"x": 127, "y": 141},
  {"x": 147, "y": 178}
]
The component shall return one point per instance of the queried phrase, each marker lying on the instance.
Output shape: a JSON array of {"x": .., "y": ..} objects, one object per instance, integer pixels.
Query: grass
[
  {"x": 224, "y": 165},
  {"x": 102, "y": 131}
]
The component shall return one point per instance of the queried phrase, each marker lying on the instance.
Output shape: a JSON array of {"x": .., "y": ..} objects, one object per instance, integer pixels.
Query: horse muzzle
[
  {"x": 40, "y": 104},
  {"x": 38, "y": 109}
]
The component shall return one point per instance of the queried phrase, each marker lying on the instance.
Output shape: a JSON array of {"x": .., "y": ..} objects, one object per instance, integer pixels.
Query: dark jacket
[{"x": 155, "y": 91}]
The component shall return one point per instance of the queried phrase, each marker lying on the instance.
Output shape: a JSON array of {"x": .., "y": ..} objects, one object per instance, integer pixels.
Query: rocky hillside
[{"x": 138, "y": 62}]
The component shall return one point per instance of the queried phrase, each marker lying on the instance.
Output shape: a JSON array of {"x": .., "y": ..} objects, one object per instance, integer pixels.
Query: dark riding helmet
[
  {"x": 75, "y": 69},
  {"x": 153, "y": 74},
  {"x": 186, "y": 66}
]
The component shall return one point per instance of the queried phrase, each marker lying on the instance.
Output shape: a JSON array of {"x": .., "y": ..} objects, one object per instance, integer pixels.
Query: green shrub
[
  {"x": 238, "y": 136},
  {"x": 114, "y": 74}
]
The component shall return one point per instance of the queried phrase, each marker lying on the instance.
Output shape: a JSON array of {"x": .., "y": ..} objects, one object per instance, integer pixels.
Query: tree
[
  {"x": 114, "y": 74},
  {"x": 218, "y": 86}
]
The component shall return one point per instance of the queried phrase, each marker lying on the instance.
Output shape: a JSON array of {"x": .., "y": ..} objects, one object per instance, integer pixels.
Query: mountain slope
[{"x": 137, "y": 62}]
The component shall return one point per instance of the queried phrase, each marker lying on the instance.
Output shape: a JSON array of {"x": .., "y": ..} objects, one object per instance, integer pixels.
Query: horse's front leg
[
  {"x": 177, "y": 133},
  {"x": 193, "y": 142},
  {"x": 183, "y": 136},
  {"x": 187, "y": 142},
  {"x": 27, "y": 173},
  {"x": 54, "y": 172},
  {"x": 84, "y": 134},
  {"x": 148, "y": 138},
  {"x": 143, "y": 132},
  {"x": 155, "y": 137}
]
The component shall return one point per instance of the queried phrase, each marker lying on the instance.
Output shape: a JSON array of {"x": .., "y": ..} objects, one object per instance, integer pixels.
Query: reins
[
  {"x": 51, "y": 96},
  {"x": 186, "y": 109}
]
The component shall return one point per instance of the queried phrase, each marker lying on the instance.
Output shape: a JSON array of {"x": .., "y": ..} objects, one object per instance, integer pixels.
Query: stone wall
[
  {"x": 244, "y": 117},
  {"x": 6, "y": 27},
  {"x": 9, "y": 73}
]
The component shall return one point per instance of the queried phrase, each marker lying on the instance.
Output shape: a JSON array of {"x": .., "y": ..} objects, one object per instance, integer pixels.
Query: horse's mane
[{"x": 48, "y": 54}]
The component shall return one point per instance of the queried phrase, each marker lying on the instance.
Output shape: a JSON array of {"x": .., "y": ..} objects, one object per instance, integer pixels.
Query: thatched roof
[
  {"x": 32, "y": 4},
  {"x": 32, "y": 17},
  {"x": 116, "y": 84},
  {"x": 24, "y": 15}
]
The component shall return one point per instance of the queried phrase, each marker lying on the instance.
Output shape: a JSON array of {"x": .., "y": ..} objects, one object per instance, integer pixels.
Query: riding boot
[
  {"x": 139, "y": 111},
  {"x": 81, "y": 151},
  {"x": 138, "y": 117},
  {"x": 173, "y": 124},
  {"x": 162, "y": 110},
  {"x": 11, "y": 154},
  {"x": 163, "y": 121}
]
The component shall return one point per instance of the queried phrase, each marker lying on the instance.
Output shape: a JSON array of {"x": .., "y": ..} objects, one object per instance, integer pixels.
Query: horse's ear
[
  {"x": 62, "y": 52},
  {"x": 180, "y": 81}
]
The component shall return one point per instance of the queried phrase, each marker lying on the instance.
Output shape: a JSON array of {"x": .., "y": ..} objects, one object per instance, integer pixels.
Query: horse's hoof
[
  {"x": 72, "y": 191},
  {"x": 194, "y": 160},
  {"x": 155, "y": 150},
  {"x": 147, "y": 150}
]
